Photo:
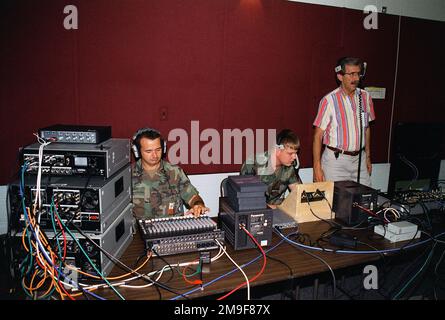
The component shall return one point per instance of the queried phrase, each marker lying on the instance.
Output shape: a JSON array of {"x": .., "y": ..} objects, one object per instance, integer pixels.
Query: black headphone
[
  {"x": 340, "y": 68},
  {"x": 281, "y": 136},
  {"x": 136, "y": 145}
]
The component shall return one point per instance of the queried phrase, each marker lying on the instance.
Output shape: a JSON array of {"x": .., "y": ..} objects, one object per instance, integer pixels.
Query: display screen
[{"x": 80, "y": 161}]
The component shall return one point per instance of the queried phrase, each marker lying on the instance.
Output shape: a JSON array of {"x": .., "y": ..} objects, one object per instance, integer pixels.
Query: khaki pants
[{"x": 344, "y": 167}]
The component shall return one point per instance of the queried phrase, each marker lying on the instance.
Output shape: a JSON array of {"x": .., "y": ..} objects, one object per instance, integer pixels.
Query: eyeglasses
[{"x": 353, "y": 74}]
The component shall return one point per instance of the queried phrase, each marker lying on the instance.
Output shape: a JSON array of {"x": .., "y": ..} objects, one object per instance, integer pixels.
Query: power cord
[{"x": 360, "y": 110}]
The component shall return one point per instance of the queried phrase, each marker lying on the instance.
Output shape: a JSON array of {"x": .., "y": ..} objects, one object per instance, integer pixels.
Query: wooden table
[{"x": 300, "y": 263}]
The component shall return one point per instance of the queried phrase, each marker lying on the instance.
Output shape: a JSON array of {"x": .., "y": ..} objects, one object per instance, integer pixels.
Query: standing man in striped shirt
[{"x": 342, "y": 125}]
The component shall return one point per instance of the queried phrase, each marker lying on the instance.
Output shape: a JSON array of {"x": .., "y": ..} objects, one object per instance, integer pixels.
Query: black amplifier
[
  {"x": 90, "y": 203},
  {"x": 347, "y": 194},
  {"x": 63, "y": 159},
  {"x": 257, "y": 222}
]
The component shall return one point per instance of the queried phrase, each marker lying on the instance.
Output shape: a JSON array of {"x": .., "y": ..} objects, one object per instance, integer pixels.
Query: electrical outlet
[
  {"x": 163, "y": 113},
  {"x": 312, "y": 196}
]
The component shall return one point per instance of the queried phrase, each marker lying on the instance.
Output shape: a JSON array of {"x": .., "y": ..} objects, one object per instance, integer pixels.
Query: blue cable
[
  {"x": 312, "y": 248},
  {"x": 86, "y": 255},
  {"x": 417, "y": 273},
  {"x": 42, "y": 249},
  {"x": 228, "y": 273},
  {"x": 357, "y": 251}
]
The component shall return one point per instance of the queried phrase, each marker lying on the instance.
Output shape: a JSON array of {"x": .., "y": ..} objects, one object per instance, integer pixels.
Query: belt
[{"x": 348, "y": 153}]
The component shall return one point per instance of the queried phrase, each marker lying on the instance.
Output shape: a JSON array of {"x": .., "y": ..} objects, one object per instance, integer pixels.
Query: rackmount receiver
[
  {"x": 90, "y": 203},
  {"x": 61, "y": 159}
]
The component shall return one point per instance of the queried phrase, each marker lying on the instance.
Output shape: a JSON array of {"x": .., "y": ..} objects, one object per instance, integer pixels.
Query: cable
[
  {"x": 126, "y": 267},
  {"x": 85, "y": 254},
  {"x": 172, "y": 273},
  {"x": 354, "y": 251},
  {"x": 69, "y": 222},
  {"x": 425, "y": 211},
  {"x": 125, "y": 285},
  {"x": 360, "y": 111},
  {"x": 239, "y": 268},
  {"x": 291, "y": 274},
  {"x": 406, "y": 270},
  {"x": 412, "y": 166},
  {"x": 185, "y": 276},
  {"x": 285, "y": 238},
  {"x": 372, "y": 247},
  {"x": 216, "y": 257},
  {"x": 339, "y": 225},
  {"x": 262, "y": 268},
  {"x": 334, "y": 281},
  {"x": 331, "y": 223},
  {"x": 44, "y": 266},
  {"x": 44, "y": 269},
  {"x": 32, "y": 229},
  {"x": 437, "y": 276},
  {"x": 438, "y": 263},
  {"x": 232, "y": 271},
  {"x": 369, "y": 212},
  {"x": 418, "y": 272}
]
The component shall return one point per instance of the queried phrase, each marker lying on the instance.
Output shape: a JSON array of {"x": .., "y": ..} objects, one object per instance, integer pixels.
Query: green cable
[
  {"x": 28, "y": 236},
  {"x": 53, "y": 222},
  {"x": 89, "y": 260},
  {"x": 54, "y": 227},
  {"x": 30, "y": 255},
  {"x": 26, "y": 214},
  {"x": 49, "y": 294},
  {"x": 26, "y": 290},
  {"x": 34, "y": 297},
  {"x": 22, "y": 276},
  {"x": 417, "y": 273},
  {"x": 198, "y": 270}
]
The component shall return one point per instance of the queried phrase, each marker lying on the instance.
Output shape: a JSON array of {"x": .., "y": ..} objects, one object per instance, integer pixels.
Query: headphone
[
  {"x": 280, "y": 137},
  {"x": 340, "y": 68},
  {"x": 136, "y": 145},
  {"x": 279, "y": 145}
]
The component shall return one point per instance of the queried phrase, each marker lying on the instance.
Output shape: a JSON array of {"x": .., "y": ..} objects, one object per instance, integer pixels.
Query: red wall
[
  {"x": 227, "y": 63},
  {"x": 420, "y": 85}
]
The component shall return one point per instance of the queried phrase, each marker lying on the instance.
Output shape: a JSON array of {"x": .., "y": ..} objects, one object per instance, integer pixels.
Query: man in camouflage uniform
[
  {"x": 276, "y": 167},
  {"x": 159, "y": 188}
]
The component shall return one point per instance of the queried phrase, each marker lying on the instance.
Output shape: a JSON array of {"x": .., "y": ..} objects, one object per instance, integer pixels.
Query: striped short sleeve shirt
[{"x": 339, "y": 117}]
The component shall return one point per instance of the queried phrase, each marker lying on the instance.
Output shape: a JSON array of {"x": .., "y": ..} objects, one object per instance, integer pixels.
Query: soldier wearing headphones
[
  {"x": 159, "y": 188},
  {"x": 277, "y": 167}
]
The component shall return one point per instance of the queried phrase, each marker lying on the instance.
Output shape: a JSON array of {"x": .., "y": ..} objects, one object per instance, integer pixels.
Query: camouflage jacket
[
  {"x": 162, "y": 194},
  {"x": 277, "y": 182}
]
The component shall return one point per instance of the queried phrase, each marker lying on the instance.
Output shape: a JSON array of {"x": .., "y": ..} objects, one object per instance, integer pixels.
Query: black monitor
[{"x": 417, "y": 150}]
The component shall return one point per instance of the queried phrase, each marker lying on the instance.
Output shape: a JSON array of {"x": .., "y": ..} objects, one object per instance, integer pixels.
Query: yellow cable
[{"x": 111, "y": 278}]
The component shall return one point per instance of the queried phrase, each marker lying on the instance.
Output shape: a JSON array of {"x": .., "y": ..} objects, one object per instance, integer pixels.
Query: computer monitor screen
[{"x": 417, "y": 150}]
